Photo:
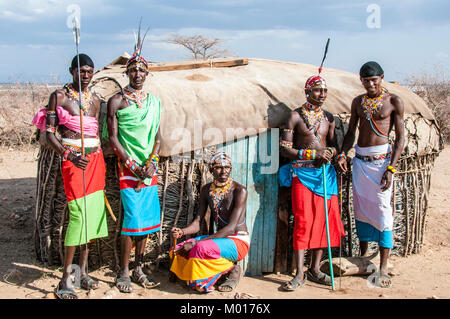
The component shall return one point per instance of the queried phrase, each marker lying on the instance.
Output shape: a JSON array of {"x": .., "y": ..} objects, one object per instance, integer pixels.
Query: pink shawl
[{"x": 72, "y": 122}]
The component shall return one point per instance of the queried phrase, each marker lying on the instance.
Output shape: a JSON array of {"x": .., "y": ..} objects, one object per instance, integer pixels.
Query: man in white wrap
[{"x": 377, "y": 112}]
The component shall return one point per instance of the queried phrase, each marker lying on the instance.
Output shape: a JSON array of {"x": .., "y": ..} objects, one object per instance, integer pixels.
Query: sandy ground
[{"x": 425, "y": 275}]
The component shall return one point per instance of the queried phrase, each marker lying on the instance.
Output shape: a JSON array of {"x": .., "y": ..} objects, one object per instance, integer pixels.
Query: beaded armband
[
  {"x": 131, "y": 164},
  {"x": 391, "y": 169},
  {"x": 286, "y": 130},
  {"x": 286, "y": 144}
]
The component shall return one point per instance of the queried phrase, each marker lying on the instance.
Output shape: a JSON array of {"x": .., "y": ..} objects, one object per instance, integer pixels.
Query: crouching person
[{"x": 202, "y": 260}]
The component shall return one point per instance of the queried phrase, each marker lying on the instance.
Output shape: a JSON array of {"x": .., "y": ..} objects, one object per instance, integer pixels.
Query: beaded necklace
[
  {"x": 372, "y": 105},
  {"x": 311, "y": 114},
  {"x": 86, "y": 97},
  {"x": 137, "y": 96},
  {"x": 218, "y": 193}
]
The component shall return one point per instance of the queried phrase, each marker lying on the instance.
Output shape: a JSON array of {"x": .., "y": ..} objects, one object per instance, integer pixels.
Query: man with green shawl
[{"x": 133, "y": 127}]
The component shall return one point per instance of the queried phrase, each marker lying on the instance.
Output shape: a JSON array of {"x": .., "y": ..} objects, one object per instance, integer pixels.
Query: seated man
[{"x": 202, "y": 260}]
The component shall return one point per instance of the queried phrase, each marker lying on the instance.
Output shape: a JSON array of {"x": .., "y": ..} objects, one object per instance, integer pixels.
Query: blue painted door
[{"x": 255, "y": 165}]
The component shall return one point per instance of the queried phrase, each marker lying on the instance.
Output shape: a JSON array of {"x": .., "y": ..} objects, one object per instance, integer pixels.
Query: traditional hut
[{"x": 237, "y": 105}]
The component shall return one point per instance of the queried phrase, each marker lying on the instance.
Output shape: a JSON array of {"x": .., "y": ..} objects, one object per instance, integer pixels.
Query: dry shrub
[
  {"x": 18, "y": 104},
  {"x": 434, "y": 87}
]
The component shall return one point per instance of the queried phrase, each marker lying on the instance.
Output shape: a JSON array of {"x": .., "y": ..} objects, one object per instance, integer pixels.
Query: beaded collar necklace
[
  {"x": 86, "y": 97},
  {"x": 218, "y": 193},
  {"x": 137, "y": 96},
  {"x": 372, "y": 105},
  {"x": 311, "y": 114}
]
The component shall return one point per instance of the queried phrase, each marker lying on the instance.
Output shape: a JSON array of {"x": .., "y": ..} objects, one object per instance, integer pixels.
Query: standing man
[
  {"x": 133, "y": 120},
  {"x": 201, "y": 261},
  {"x": 377, "y": 112},
  {"x": 63, "y": 115},
  {"x": 308, "y": 139}
]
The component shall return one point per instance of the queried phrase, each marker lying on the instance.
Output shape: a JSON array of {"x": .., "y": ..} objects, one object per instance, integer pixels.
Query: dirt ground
[{"x": 425, "y": 275}]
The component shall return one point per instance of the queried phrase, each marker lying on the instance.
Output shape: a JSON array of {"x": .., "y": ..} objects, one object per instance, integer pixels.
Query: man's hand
[
  {"x": 150, "y": 171},
  {"x": 186, "y": 248},
  {"x": 79, "y": 161},
  {"x": 386, "y": 180},
  {"x": 177, "y": 232},
  {"x": 325, "y": 155},
  {"x": 342, "y": 162}
]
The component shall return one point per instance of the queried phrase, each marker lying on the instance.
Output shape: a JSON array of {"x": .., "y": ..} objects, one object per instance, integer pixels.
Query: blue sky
[{"x": 37, "y": 45}]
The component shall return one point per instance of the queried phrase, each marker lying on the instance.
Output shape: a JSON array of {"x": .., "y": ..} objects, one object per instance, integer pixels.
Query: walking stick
[
  {"x": 330, "y": 258},
  {"x": 76, "y": 32},
  {"x": 340, "y": 241},
  {"x": 172, "y": 276}
]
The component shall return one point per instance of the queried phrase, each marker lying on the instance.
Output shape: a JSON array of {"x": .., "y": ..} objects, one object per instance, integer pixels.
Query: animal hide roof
[{"x": 217, "y": 104}]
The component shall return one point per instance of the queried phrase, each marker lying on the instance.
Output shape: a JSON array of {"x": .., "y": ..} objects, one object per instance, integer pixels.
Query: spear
[
  {"x": 76, "y": 34},
  {"x": 330, "y": 258}
]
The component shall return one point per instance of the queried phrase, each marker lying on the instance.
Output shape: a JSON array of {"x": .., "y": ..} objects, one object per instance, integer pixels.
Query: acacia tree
[{"x": 200, "y": 47}]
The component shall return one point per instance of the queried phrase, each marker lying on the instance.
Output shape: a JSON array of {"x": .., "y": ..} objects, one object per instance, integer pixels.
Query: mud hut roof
[{"x": 250, "y": 94}]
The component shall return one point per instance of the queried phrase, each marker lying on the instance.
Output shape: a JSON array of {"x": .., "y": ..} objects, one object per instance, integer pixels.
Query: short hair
[
  {"x": 371, "y": 68},
  {"x": 84, "y": 60}
]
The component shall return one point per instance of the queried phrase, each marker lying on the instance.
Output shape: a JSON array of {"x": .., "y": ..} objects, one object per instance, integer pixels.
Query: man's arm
[
  {"x": 349, "y": 138},
  {"x": 399, "y": 127},
  {"x": 240, "y": 200},
  {"x": 52, "y": 125},
  {"x": 194, "y": 227},
  {"x": 287, "y": 137}
]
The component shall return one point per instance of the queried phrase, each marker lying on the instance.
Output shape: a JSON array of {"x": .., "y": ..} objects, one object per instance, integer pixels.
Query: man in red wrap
[{"x": 308, "y": 140}]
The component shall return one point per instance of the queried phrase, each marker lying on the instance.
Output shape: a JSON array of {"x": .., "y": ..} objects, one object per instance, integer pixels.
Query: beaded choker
[
  {"x": 137, "y": 96},
  {"x": 218, "y": 193},
  {"x": 86, "y": 97},
  {"x": 311, "y": 114},
  {"x": 372, "y": 105}
]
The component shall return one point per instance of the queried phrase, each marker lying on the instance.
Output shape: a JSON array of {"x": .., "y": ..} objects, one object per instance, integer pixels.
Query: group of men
[{"x": 307, "y": 140}]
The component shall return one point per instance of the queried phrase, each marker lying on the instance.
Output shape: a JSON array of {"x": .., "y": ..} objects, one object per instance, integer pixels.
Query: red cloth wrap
[{"x": 309, "y": 219}]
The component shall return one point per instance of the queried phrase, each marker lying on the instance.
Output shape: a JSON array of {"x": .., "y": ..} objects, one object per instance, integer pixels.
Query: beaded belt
[
  {"x": 298, "y": 163},
  {"x": 371, "y": 158},
  {"x": 93, "y": 145}
]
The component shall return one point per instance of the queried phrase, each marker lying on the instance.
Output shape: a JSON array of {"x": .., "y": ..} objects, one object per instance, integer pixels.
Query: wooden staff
[
  {"x": 172, "y": 277},
  {"x": 330, "y": 258},
  {"x": 147, "y": 165}
]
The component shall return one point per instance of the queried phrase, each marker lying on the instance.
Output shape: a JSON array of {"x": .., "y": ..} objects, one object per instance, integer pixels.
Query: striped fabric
[
  {"x": 95, "y": 205},
  {"x": 141, "y": 209},
  {"x": 208, "y": 260}
]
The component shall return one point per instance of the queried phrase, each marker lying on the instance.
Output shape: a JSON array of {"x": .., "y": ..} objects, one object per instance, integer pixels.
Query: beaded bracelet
[
  {"x": 342, "y": 155},
  {"x": 51, "y": 129},
  {"x": 132, "y": 164},
  {"x": 391, "y": 169},
  {"x": 155, "y": 158},
  {"x": 66, "y": 155},
  {"x": 307, "y": 154}
]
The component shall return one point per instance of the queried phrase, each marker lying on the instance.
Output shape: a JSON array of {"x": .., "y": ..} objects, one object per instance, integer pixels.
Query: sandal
[
  {"x": 230, "y": 283},
  {"x": 144, "y": 280},
  {"x": 321, "y": 278},
  {"x": 295, "y": 283},
  {"x": 88, "y": 283},
  {"x": 124, "y": 284},
  {"x": 65, "y": 293}
]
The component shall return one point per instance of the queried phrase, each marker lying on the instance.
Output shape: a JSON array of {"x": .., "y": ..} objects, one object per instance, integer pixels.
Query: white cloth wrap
[{"x": 371, "y": 205}]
